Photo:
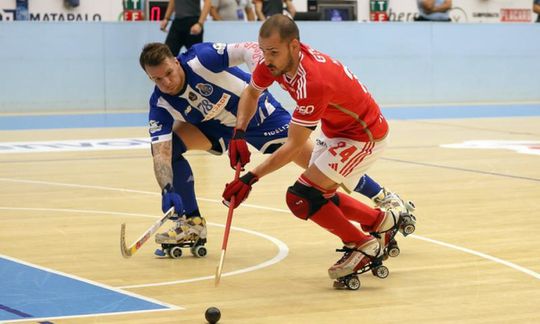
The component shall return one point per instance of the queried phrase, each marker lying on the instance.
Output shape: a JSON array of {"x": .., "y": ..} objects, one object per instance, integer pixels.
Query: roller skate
[
  {"x": 385, "y": 231},
  {"x": 386, "y": 199},
  {"x": 406, "y": 223},
  {"x": 355, "y": 261},
  {"x": 186, "y": 233}
]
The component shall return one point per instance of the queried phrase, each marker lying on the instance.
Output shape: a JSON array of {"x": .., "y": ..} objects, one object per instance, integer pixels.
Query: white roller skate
[
  {"x": 357, "y": 260},
  {"x": 187, "y": 232},
  {"x": 387, "y": 200}
]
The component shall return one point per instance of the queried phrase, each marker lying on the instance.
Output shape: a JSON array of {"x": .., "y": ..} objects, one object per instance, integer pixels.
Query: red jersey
[{"x": 326, "y": 91}]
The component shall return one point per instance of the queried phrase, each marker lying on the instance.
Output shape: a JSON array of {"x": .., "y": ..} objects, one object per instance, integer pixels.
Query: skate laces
[
  {"x": 348, "y": 251},
  {"x": 180, "y": 225},
  {"x": 391, "y": 229}
]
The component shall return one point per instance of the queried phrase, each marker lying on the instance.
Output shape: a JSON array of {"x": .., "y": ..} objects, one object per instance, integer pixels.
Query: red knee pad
[
  {"x": 298, "y": 205},
  {"x": 304, "y": 201}
]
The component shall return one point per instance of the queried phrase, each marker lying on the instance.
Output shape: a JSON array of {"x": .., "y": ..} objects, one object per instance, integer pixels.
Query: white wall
[{"x": 94, "y": 66}]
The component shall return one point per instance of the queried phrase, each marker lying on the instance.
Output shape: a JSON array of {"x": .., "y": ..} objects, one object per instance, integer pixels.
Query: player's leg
[
  {"x": 309, "y": 198},
  {"x": 381, "y": 196},
  {"x": 344, "y": 161},
  {"x": 388, "y": 220},
  {"x": 192, "y": 225}
]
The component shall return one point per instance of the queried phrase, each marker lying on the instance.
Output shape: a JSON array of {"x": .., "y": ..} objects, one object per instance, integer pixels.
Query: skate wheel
[
  {"x": 353, "y": 283},
  {"x": 393, "y": 251},
  {"x": 175, "y": 252},
  {"x": 410, "y": 206},
  {"x": 381, "y": 272},
  {"x": 408, "y": 229},
  {"x": 199, "y": 251}
]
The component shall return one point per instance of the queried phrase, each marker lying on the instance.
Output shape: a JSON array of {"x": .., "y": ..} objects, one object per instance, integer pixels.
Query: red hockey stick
[{"x": 227, "y": 231}]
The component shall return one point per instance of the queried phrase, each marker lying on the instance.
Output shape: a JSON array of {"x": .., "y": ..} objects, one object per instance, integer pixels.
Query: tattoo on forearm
[{"x": 162, "y": 163}]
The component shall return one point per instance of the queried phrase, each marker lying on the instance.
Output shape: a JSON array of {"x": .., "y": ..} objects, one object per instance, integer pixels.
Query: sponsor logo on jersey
[
  {"x": 276, "y": 131},
  {"x": 305, "y": 110},
  {"x": 523, "y": 147},
  {"x": 154, "y": 126},
  {"x": 205, "y": 89},
  {"x": 219, "y": 47},
  {"x": 218, "y": 107},
  {"x": 192, "y": 96}
]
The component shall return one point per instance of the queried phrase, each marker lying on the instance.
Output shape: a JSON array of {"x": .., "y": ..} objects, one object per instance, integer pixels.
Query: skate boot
[
  {"x": 388, "y": 200},
  {"x": 385, "y": 232},
  {"x": 186, "y": 232},
  {"x": 355, "y": 261}
]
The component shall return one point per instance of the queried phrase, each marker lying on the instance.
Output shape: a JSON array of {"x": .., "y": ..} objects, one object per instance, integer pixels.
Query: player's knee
[{"x": 304, "y": 201}]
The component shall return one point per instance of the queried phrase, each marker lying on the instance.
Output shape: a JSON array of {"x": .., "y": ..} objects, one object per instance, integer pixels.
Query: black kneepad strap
[{"x": 304, "y": 201}]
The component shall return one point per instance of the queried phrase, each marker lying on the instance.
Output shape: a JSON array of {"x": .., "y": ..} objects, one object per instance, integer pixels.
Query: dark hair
[
  {"x": 285, "y": 26},
  {"x": 153, "y": 54}
]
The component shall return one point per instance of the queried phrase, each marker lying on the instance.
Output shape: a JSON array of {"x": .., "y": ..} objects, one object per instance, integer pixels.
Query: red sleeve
[
  {"x": 261, "y": 77},
  {"x": 310, "y": 107}
]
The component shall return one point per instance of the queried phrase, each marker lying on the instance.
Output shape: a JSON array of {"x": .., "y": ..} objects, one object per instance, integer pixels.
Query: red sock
[
  {"x": 331, "y": 218},
  {"x": 358, "y": 211}
]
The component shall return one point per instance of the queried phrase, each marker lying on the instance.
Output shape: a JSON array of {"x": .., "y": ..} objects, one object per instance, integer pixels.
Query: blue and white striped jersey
[{"x": 211, "y": 92}]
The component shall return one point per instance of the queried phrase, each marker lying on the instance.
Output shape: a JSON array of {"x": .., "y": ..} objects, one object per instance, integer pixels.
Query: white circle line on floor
[{"x": 448, "y": 245}]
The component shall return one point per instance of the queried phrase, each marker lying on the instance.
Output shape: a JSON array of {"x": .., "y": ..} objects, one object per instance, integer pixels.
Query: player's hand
[
  {"x": 239, "y": 189},
  {"x": 170, "y": 198},
  {"x": 238, "y": 149}
]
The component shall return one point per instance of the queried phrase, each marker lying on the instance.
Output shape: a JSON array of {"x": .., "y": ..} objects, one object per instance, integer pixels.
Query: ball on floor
[{"x": 212, "y": 315}]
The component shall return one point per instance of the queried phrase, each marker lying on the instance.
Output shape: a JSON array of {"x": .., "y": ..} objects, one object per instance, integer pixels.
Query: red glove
[
  {"x": 238, "y": 149},
  {"x": 239, "y": 189}
]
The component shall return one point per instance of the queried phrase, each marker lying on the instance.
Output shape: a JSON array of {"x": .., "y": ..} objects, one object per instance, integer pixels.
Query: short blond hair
[{"x": 153, "y": 54}]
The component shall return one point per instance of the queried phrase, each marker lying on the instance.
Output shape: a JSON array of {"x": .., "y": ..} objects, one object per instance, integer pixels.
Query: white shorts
[{"x": 344, "y": 160}]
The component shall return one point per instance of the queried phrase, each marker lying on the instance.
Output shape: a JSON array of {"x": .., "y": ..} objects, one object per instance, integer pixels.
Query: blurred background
[{"x": 82, "y": 55}]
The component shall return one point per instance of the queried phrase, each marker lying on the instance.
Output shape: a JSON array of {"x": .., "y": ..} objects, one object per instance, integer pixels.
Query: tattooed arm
[{"x": 162, "y": 153}]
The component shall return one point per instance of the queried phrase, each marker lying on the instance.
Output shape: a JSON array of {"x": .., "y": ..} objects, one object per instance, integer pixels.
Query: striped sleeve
[
  {"x": 310, "y": 106},
  {"x": 261, "y": 77}
]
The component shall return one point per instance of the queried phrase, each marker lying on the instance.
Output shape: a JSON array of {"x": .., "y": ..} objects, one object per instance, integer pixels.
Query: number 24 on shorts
[{"x": 346, "y": 153}]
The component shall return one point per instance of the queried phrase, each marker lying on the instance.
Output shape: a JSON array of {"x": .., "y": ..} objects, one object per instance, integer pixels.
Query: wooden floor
[{"x": 473, "y": 259}]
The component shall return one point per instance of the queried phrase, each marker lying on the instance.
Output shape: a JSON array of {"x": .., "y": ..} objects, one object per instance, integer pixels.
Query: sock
[
  {"x": 357, "y": 211},
  {"x": 331, "y": 218},
  {"x": 368, "y": 187},
  {"x": 184, "y": 185}
]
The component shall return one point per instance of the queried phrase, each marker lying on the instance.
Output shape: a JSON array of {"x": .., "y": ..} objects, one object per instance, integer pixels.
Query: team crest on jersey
[
  {"x": 192, "y": 96},
  {"x": 205, "y": 89},
  {"x": 219, "y": 47},
  {"x": 154, "y": 126}
]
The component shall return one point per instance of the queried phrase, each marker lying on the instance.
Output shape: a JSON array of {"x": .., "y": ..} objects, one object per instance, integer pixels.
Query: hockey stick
[
  {"x": 128, "y": 252},
  {"x": 219, "y": 269}
]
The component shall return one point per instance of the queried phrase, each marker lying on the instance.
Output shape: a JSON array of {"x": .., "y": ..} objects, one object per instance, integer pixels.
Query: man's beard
[{"x": 276, "y": 72}]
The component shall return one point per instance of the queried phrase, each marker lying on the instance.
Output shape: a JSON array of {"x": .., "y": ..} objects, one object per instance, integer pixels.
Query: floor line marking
[
  {"x": 466, "y": 250},
  {"x": 283, "y": 249},
  {"x": 91, "y": 282}
]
